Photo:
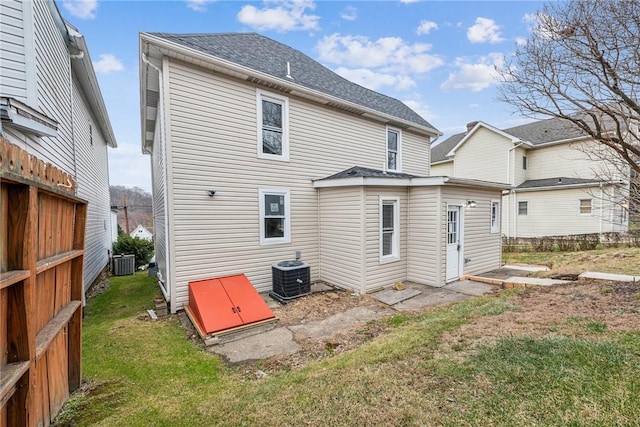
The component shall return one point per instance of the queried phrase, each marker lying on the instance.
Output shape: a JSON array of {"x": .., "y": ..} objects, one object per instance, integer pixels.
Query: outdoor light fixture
[
  {"x": 211, "y": 193},
  {"x": 471, "y": 203}
]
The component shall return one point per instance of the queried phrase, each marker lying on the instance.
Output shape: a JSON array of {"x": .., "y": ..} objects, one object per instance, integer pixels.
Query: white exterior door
[{"x": 454, "y": 242}]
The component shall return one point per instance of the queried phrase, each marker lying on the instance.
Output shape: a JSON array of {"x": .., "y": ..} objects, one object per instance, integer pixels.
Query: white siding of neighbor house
[
  {"x": 442, "y": 169},
  {"x": 13, "y": 62},
  {"x": 425, "y": 239},
  {"x": 557, "y": 213},
  {"x": 483, "y": 156},
  {"x": 384, "y": 274},
  {"x": 93, "y": 186},
  {"x": 482, "y": 248},
  {"x": 563, "y": 160},
  {"x": 341, "y": 237},
  {"x": 213, "y": 145}
]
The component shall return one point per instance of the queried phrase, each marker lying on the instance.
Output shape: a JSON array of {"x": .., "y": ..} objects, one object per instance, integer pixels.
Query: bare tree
[{"x": 581, "y": 64}]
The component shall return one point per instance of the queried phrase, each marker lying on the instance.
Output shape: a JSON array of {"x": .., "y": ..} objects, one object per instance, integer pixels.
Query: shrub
[{"x": 127, "y": 245}]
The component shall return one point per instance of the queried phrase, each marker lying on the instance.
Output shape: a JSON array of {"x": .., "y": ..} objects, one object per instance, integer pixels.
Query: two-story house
[
  {"x": 51, "y": 106},
  {"x": 260, "y": 153},
  {"x": 562, "y": 183}
]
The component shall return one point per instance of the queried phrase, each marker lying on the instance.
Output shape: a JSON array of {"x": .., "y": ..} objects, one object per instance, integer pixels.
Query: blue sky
[{"x": 437, "y": 57}]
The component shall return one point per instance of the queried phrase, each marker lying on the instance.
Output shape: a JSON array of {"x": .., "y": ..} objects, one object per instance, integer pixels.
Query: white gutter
[
  {"x": 405, "y": 182},
  {"x": 241, "y": 71}
]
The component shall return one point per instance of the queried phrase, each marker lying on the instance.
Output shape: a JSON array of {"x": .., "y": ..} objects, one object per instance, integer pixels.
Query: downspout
[
  {"x": 319, "y": 233},
  {"x": 601, "y": 212},
  {"x": 162, "y": 283}
]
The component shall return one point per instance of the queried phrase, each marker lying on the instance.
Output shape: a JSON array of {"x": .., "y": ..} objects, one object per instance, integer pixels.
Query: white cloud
[
  {"x": 373, "y": 80},
  {"x": 107, "y": 63},
  {"x": 349, "y": 13},
  {"x": 389, "y": 54},
  {"x": 425, "y": 27},
  {"x": 474, "y": 76},
  {"x": 199, "y": 5},
  {"x": 521, "y": 41},
  {"x": 422, "y": 109},
  {"x": 484, "y": 31},
  {"x": 280, "y": 15},
  {"x": 82, "y": 9}
]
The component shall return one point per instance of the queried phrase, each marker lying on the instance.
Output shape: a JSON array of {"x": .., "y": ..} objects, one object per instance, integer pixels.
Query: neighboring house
[
  {"x": 260, "y": 153},
  {"x": 560, "y": 182},
  {"x": 52, "y": 107},
  {"x": 142, "y": 233}
]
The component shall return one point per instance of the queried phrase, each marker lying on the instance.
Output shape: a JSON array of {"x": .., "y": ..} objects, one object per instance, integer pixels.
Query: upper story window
[
  {"x": 524, "y": 162},
  {"x": 275, "y": 216},
  {"x": 495, "y": 216},
  {"x": 523, "y": 208},
  {"x": 394, "y": 150},
  {"x": 273, "y": 126},
  {"x": 586, "y": 206}
]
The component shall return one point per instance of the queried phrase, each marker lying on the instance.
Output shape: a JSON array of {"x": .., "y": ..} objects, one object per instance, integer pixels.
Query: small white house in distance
[
  {"x": 142, "y": 233},
  {"x": 558, "y": 187},
  {"x": 51, "y": 106},
  {"x": 258, "y": 152}
]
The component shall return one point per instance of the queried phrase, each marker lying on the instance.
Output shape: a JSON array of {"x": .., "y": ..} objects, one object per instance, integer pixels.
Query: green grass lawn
[{"x": 142, "y": 373}]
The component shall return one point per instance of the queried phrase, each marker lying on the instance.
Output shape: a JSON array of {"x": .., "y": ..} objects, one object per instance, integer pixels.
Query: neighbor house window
[
  {"x": 585, "y": 206},
  {"x": 495, "y": 216},
  {"x": 523, "y": 208},
  {"x": 394, "y": 147},
  {"x": 275, "y": 217},
  {"x": 389, "y": 229},
  {"x": 273, "y": 134},
  {"x": 524, "y": 162}
]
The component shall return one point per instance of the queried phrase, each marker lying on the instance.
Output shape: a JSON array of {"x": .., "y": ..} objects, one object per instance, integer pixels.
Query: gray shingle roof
[
  {"x": 556, "y": 182},
  {"x": 268, "y": 56},
  {"x": 360, "y": 172},
  {"x": 536, "y": 133}
]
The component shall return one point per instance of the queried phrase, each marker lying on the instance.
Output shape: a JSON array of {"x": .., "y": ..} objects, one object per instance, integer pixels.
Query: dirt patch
[{"x": 578, "y": 309}]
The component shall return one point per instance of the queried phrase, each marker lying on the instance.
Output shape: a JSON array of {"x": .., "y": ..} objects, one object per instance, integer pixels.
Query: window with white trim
[
  {"x": 389, "y": 229},
  {"x": 495, "y": 216},
  {"x": 586, "y": 206},
  {"x": 394, "y": 150},
  {"x": 275, "y": 216},
  {"x": 523, "y": 208},
  {"x": 273, "y": 126}
]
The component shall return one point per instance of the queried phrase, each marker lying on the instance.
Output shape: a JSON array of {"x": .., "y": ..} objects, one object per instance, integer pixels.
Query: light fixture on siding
[
  {"x": 211, "y": 193},
  {"x": 471, "y": 203}
]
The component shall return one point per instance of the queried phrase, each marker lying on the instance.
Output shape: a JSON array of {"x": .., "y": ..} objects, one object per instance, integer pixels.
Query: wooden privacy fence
[{"x": 41, "y": 254}]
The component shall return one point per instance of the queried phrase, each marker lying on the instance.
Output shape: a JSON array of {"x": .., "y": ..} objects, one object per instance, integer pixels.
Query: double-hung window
[
  {"x": 495, "y": 216},
  {"x": 389, "y": 229},
  {"x": 586, "y": 206},
  {"x": 394, "y": 150},
  {"x": 523, "y": 208},
  {"x": 275, "y": 216},
  {"x": 273, "y": 132}
]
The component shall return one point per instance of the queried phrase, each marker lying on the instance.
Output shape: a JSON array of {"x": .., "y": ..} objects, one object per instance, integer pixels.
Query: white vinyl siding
[
  {"x": 216, "y": 236},
  {"x": 484, "y": 156},
  {"x": 442, "y": 169},
  {"x": 273, "y": 125},
  {"x": 518, "y": 174},
  {"x": 159, "y": 187},
  {"x": 13, "y": 60},
  {"x": 416, "y": 154},
  {"x": 275, "y": 216},
  {"x": 394, "y": 150},
  {"x": 425, "y": 239},
  {"x": 563, "y": 160}
]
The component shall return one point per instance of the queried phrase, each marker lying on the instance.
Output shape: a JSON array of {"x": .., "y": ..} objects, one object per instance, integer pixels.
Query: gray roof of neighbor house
[
  {"x": 535, "y": 133},
  {"x": 557, "y": 182},
  {"x": 360, "y": 172},
  {"x": 268, "y": 56}
]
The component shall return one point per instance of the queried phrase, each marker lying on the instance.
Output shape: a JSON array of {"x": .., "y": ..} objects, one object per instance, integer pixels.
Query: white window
[
  {"x": 523, "y": 208},
  {"x": 495, "y": 216},
  {"x": 394, "y": 150},
  {"x": 273, "y": 126},
  {"x": 389, "y": 229},
  {"x": 586, "y": 206},
  {"x": 524, "y": 162},
  {"x": 275, "y": 216}
]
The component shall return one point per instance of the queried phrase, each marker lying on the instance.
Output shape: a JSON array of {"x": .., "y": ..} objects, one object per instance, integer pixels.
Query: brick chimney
[{"x": 470, "y": 125}]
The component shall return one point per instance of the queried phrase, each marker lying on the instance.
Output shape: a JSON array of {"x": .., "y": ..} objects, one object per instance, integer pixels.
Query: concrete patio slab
[
  {"x": 341, "y": 321},
  {"x": 536, "y": 281},
  {"x": 470, "y": 287},
  {"x": 275, "y": 342},
  {"x": 609, "y": 276},
  {"x": 392, "y": 296},
  {"x": 439, "y": 296}
]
